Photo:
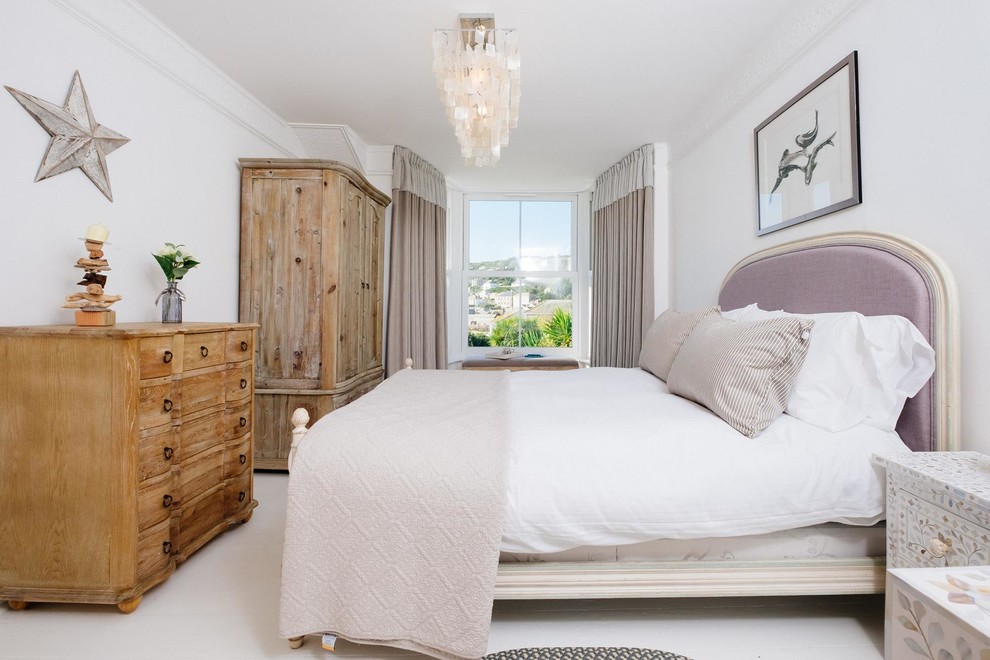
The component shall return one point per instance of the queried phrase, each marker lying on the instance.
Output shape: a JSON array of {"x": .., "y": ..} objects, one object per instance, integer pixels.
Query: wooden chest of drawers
[
  {"x": 122, "y": 451},
  {"x": 938, "y": 509}
]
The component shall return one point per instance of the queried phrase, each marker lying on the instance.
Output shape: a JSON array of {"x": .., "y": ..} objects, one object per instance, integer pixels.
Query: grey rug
[{"x": 584, "y": 653}]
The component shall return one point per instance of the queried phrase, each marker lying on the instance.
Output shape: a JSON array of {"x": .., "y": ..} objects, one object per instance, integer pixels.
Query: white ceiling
[{"x": 598, "y": 79}]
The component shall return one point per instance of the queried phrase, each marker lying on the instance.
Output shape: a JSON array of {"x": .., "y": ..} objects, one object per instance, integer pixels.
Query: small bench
[{"x": 520, "y": 364}]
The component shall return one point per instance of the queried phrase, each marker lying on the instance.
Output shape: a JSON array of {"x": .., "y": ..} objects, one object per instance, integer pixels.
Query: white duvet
[{"x": 608, "y": 457}]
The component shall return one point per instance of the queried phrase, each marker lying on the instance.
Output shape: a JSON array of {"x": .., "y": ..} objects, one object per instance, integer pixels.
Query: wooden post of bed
[{"x": 300, "y": 418}]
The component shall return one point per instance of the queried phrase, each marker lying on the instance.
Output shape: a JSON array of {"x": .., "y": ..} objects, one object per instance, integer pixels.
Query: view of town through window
[{"x": 520, "y": 275}]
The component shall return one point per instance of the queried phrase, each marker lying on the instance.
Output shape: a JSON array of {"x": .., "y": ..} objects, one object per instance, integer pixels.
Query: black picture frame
[{"x": 807, "y": 152}]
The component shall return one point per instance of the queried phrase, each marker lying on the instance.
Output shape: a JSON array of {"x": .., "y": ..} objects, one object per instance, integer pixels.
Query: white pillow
[{"x": 859, "y": 369}]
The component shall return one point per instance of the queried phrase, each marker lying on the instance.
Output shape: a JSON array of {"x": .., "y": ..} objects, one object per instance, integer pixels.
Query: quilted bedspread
[{"x": 394, "y": 516}]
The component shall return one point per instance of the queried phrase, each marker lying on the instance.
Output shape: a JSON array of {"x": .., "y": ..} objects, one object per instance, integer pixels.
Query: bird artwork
[
  {"x": 77, "y": 139},
  {"x": 792, "y": 161}
]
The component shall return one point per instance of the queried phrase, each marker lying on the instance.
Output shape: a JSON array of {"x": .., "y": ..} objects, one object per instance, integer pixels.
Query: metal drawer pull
[
  {"x": 243, "y": 459},
  {"x": 243, "y": 421},
  {"x": 166, "y": 501},
  {"x": 244, "y": 345},
  {"x": 167, "y": 357},
  {"x": 204, "y": 351},
  {"x": 167, "y": 405},
  {"x": 169, "y": 452},
  {"x": 938, "y": 548},
  {"x": 243, "y": 383},
  {"x": 240, "y": 496},
  {"x": 167, "y": 547}
]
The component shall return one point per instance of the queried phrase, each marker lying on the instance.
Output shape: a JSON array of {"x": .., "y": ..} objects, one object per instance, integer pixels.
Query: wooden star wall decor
[{"x": 77, "y": 140}]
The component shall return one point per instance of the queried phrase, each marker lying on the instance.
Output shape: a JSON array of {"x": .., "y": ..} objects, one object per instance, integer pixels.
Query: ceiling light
[{"x": 477, "y": 70}]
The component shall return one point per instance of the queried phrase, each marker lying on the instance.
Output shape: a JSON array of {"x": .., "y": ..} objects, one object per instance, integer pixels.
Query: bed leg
[
  {"x": 300, "y": 418},
  {"x": 295, "y": 642}
]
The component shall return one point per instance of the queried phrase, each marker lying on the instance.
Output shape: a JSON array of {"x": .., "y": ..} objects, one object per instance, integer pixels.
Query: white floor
[{"x": 223, "y": 603}]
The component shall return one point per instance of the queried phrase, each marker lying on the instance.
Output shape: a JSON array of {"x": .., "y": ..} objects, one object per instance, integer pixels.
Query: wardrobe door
[
  {"x": 375, "y": 213},
  {"x": 351, "y": 278},
  {"x": 283, "y": 233}
]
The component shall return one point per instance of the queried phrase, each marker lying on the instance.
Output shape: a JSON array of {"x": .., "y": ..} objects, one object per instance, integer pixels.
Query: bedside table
[
  {"x": 938, "y": 508},
  {"x": 937, "y": 613}
]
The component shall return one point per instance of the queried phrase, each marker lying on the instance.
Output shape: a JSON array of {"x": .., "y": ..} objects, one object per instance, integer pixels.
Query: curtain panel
[
  {"x": 417, "y": 293},
  {"x": 622, "y": 260}
]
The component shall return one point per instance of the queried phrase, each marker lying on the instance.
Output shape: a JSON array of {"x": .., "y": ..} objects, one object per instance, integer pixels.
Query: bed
[{"x": 873, "y": 274}]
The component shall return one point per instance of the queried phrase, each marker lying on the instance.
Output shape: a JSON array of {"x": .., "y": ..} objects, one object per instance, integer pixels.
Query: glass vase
[{"x": 171, "y": 300}]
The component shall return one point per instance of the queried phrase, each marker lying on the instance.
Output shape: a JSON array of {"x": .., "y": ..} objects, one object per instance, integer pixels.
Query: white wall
[
  {"x": 176, "y": 180},
  {"x": 924, "y": 98}
]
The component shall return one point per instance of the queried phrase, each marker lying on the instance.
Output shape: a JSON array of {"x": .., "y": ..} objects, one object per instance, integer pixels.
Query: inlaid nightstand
[
  {"x": 938, "y": 508},
  {"x": 937, "y": 613}
]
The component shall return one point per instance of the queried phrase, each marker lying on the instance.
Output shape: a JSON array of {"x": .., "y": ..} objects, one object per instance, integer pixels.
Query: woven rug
[{"x": 584, "y": 653}]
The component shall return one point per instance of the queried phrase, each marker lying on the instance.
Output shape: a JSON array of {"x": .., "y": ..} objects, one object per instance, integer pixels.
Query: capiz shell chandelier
[{"x": 477, "y": 70}]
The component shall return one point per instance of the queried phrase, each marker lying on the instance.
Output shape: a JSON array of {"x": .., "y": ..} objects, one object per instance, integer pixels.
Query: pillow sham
[
  {"x": 859, "y": 369},
  {"x": 742, "y": 372},
  {"x": 664, "y": 339}
]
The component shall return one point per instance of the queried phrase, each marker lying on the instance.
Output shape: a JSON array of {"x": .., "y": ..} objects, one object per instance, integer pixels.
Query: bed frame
[{"x": 866, "y": 272}]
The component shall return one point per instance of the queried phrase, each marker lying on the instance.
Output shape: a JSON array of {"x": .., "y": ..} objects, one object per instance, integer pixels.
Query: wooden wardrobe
[{"x": 312, "y": 240}]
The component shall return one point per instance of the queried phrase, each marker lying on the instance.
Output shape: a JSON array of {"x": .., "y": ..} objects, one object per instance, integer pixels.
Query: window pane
[
  {"x": 494, "y": 235},
  {"x": 547, "y": 318},
  {"x": 489, "y": 300},
  {"x": 546, "y": 236},
  {"x": 531, "y": 312}
]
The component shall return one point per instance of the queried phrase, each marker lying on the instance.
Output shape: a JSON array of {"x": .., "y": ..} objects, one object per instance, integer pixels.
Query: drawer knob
[
  {"x": 244, "y": 345},
  {"x": 241, "y": 495},
  {"x": 243, "y": 383},
  {"x": 166, "y": 501},
  {"x": 167, "y": 357},
  {"x": 167, "y": 405},
  {"x": 169, "y": 452},
  {"x": 167, "y": 547},
  {"x": 242, "y": 458},
  {"x": 938, "y": 547},
  {"x": 243, "y": 421},
  {"x": 204, "y": 351}
]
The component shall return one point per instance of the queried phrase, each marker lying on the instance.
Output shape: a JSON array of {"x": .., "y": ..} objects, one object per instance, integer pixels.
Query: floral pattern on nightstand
[
  {"x": 935, "y": 631},
  {"x": 938, "y": 508}
]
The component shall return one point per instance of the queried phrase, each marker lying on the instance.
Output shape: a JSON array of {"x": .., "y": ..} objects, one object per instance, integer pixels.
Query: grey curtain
[
  {"x": 417, "y": 292},
  {"x": 622, "y": 260}
]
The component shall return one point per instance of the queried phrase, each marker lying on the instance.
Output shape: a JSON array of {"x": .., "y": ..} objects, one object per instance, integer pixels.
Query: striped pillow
[
  {"x": 742, "y": 372},
  {"x": 665, "y": 337}
]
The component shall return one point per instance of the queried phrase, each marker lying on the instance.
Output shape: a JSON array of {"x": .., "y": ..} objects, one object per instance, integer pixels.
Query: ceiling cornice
[
  {"x": 142, "y": 35},
  {"x": 796, "y": 35}
]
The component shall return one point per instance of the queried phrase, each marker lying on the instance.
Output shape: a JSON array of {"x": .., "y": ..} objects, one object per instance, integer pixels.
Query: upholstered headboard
[{"x": 874, "y": 274}]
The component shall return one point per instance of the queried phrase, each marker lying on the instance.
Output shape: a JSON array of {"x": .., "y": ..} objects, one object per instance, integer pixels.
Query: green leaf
[{"x": 166, "y": 265}]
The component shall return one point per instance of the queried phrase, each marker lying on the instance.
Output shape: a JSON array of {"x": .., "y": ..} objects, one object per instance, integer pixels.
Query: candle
[{"x": 97, "y": 233}]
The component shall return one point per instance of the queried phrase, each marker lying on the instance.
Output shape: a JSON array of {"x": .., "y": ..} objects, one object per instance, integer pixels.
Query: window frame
[{"x": 461, "y": 274}]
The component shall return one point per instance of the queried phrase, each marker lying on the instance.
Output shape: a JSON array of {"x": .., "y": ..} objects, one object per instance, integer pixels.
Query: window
[{"x": 519, "y": 274}]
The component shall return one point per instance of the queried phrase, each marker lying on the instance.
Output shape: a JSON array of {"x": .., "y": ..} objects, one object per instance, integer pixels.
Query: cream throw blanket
[{"x": 394, "y": 515}]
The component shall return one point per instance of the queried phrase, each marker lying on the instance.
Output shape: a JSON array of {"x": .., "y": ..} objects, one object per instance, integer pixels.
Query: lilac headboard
[{"x": 875, "y": 275}]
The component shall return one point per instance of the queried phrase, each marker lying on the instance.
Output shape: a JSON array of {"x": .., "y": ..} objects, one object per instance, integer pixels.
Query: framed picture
[{"x": 807, "y": 153}]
